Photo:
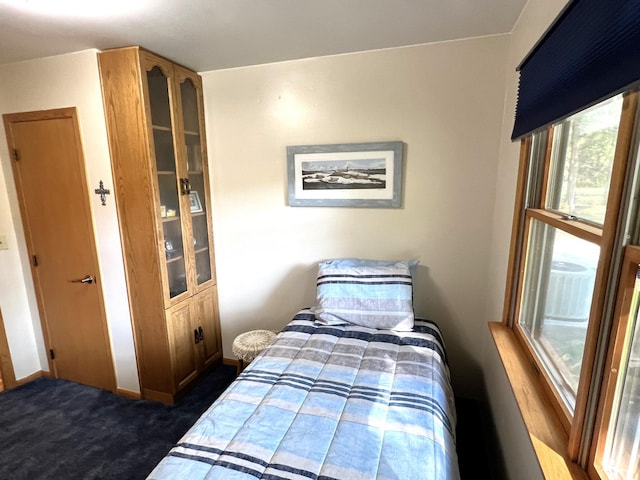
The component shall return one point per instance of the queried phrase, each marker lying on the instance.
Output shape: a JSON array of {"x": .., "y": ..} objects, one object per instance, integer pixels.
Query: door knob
[{"x": 87, "y": 279}]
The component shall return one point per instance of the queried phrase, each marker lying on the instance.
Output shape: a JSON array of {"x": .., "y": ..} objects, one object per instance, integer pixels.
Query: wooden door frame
[
  {"x": 60, "y": 113},
  {"x": 6, "y": 365}
]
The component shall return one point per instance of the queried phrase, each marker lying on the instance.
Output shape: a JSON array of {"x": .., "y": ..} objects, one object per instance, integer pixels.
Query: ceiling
[{"x": 214, "y": 34}]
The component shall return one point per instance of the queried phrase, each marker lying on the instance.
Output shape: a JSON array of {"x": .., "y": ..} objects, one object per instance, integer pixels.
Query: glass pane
[
  {"x": 167, "y": 181},
  {"x": 558, "y": 288},
  {"x": 174, "y": 253},
  {"x": 622, "y": 453},
  {"x": 189, "y": 96},
  {"x": 582, "y": 157},
  {"x": 159, "y": 97}
]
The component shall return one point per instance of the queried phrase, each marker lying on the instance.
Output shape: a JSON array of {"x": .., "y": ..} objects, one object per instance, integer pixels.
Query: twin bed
[{"x": 333, "y": 399}]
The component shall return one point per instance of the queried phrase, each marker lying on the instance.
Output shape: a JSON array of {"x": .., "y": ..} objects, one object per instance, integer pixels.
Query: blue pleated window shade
[{"x": 590, "y": 53}]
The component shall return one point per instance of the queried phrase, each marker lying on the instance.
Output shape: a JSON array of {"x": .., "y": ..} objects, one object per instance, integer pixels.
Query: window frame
[
  {"x": 584, "y": 427},
  {"x": 618, "y": 340}
]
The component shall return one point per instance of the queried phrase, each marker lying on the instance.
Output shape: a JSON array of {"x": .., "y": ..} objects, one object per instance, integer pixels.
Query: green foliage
[
  {"x": 587, "y": 167},
  {"x": 594, "y": 154}
]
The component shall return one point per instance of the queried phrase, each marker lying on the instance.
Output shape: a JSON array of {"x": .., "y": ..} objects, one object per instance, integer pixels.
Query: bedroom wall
[
  {"x": 445, "y": 101},
  {"x": 514, "y": 442},
  {"x": 55, "y": 82}
]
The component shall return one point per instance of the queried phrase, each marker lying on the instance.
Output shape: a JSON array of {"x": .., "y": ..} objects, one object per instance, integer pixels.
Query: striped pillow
[{"x": 375, "y": 296}]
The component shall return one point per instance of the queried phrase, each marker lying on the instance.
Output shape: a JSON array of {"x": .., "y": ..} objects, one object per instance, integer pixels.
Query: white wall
[
  {"x": 445, "y": 101},
  {"x": 513, "y": 438},
  {"x": 63, "y": 81}
]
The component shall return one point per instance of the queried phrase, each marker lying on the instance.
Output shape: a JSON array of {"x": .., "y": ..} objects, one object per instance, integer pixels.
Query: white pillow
[{"x": 371, "y": 293}]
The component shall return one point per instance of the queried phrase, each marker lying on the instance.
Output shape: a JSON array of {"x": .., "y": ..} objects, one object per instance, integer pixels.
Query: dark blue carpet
[{"x": 54, "y": 429}]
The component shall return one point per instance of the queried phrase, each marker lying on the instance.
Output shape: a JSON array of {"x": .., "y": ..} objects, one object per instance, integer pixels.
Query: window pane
[
  {"x": 582, "y": 157},
  {"x": 556, "y": 299},
  {"x": 622, "y": 453}
]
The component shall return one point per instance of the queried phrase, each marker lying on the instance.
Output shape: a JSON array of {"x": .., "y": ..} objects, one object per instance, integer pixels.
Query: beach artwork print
[{"x": 345, "y": 175}]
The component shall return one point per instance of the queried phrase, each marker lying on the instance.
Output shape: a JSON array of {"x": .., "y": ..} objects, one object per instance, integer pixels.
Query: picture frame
[
  {"x": 346, "y": 175},
  {"x": 194, "y": 202}
]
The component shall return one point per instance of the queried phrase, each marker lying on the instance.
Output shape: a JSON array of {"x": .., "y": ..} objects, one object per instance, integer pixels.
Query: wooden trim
[
  {"x": 32, "y": 377},
  {"x": 234, "y": 362},
  {"x": 619, "y": 330},
  {"x": 7, "y": 373},
  {"x": 520, "y": 272},
  {"x": 167, "y": 398},
  {"x": 545, "y": 429},
  {"x": 128, "y": 393},
  {"x": 518, "y": 214},
  {"x": 616, "y": 185},
  {"x": 585, "y": 231},
  {"x": 547, "y": 169}
]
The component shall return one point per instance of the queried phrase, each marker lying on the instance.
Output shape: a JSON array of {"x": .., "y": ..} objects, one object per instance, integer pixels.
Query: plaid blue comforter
[{"x": 329, "y": 402}]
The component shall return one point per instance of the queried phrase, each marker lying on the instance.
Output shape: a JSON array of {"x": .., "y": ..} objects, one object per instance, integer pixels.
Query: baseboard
[
  {"x": 32, "y": 377},
  {"x": 44, "y": 374},
  {"x": 128, "y": 393},
  {"x": 157, "y": 396},
  {"x": 231, "y": 361}
]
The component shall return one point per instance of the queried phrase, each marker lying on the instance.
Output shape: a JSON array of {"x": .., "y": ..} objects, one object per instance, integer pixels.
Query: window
[
  {"x": 557, "y": 295},
  {"x": 618, "y": 454},
  {"x": 582, "y": 159},
  {"x": 575, "y": 217}
]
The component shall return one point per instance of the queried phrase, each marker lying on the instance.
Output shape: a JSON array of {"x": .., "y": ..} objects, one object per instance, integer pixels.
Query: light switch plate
[{"x": 3, "y": 243}]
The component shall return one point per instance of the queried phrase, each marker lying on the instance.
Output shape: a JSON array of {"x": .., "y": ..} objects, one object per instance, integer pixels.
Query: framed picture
[
  {"x": 346, "y": 175},
  {"x": 194, "y": 201}
]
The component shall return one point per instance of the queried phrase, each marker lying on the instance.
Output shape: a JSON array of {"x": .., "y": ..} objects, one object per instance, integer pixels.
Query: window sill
[{"x": 548, "y": 437}]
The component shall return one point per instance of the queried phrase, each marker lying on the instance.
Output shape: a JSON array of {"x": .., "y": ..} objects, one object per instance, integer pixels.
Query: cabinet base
[{"x": 169, "y": 398}]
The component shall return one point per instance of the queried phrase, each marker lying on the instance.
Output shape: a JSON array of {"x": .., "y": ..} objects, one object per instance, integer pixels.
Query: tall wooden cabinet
[{"x": 155, "y": 125}]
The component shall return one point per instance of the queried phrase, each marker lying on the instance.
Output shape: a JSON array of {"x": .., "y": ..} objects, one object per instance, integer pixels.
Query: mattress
[{"x": 329, "y": 402}]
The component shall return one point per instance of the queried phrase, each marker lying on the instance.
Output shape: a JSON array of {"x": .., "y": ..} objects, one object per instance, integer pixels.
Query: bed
[{"x": 330, "y": 399}]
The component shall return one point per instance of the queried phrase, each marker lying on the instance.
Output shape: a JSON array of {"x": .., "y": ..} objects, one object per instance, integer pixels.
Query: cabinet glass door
[
  {"x": 198, "y": 193},
  {"x": 167, "y": 181}
]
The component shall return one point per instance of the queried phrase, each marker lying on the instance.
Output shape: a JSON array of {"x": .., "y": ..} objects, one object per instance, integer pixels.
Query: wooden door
[
  {"x": 7, "y": 376},
  {"x": 48, "y": 167},
  {"x": 182, "y": 338},
  {"x": 207, "y": 323}
]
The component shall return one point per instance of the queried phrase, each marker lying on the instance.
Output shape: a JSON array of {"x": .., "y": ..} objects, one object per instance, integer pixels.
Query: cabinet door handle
[
  {"x": 184, "y": 186},
  {"x": 196, "y": 337},
  {"x": 200, "y": 334}
]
